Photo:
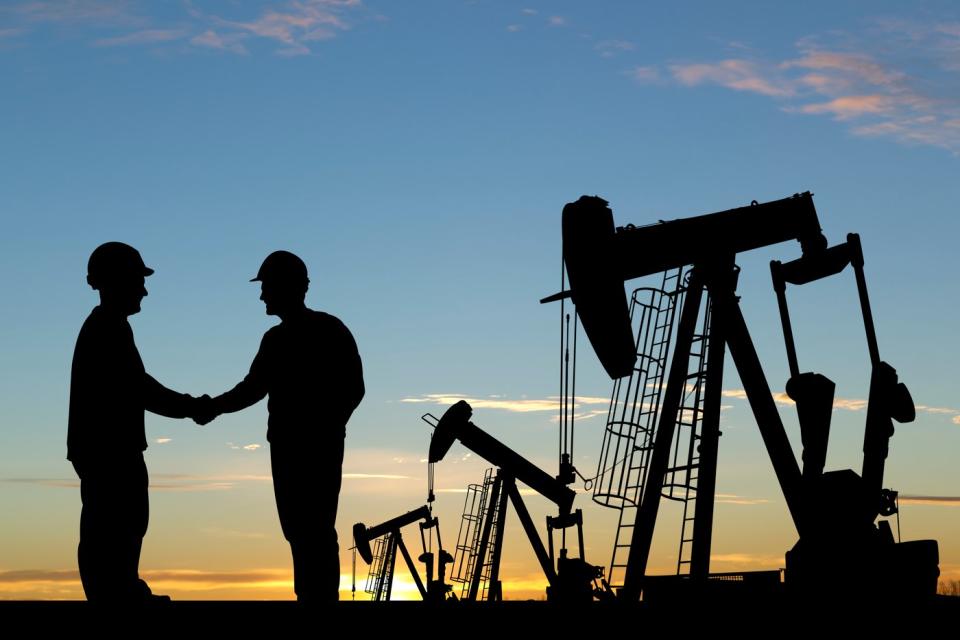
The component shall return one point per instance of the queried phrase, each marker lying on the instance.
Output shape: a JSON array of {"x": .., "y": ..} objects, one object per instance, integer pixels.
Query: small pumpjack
[
  {"x": 435, "y": 590},
  {"x": 573, "y": 579}
]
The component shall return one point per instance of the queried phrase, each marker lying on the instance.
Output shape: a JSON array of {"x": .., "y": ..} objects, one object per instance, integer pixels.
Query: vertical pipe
[
  {"x": 505, "y": 487},
  {"x": 781, "y": 288},
  {"x": 709, "y": 438}
]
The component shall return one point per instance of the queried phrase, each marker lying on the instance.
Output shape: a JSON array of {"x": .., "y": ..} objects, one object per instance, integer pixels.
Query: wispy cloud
[
  {"x": 846, "y": 404},
  {"x": 216, "y": 532},
  {"x": 147, "y": 36},
  {"x": 73, "y": 11},
  {"x": 522, "y": 405},
  {"x": 163, "y": 440},
  {"x": 943, "y": 501},
  {"x": 741, "y": 75},
  {"x": 374, "y": 476},
  {"x": 644, "y": 75},
  {"x": 849, "y": 107},
  {"x": 744, "y": 560},
  {"x": 610, "y": 48},
  {"x": 210, "y": 39},
  {"x": 253, "y": 446},
  {"x": 729, "y": 498},
  {"x": 158, "y": 481},
  {"x": 514, "y": 28},
  {"x": 891, "y": 80},
  {"x": 38, "y": 575},
  {"x": 295, "y": 24},
  {"x": 556, "y": 21}
]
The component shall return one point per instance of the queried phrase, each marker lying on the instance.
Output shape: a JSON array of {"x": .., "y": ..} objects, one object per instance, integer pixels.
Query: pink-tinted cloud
[
  {"x": 556, "y": 21},
  {"x": 892, "y": 81},
  {"x": 297, "y": 23},
  {"x": 644, "y": 75},
  {"x": 857, "y": 65},
  {"x": 741, "y": 75},
  {"x": 210, "y": 39},
  {"x": 850, "y": 106},
  {"x": 147, "y": 36},
  {"x": 72, "y": 11}
]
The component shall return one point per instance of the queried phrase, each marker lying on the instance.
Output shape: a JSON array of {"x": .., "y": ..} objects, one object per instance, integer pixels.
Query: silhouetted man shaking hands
[
  {"x": 310, "y": 368},
  {"x": 109, "y": 391}
]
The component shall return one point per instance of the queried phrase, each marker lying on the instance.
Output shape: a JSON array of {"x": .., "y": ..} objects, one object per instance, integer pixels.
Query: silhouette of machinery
[
  {"x": 569, "y": 579},
  {"x": 382, "y": 558},
  {"x": 834, "y": 512}
]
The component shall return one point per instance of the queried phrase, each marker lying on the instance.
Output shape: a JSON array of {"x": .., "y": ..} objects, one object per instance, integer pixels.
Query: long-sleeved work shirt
[
  {"x": 310, "y": 368},
  {"x": 109, "y": 391}
]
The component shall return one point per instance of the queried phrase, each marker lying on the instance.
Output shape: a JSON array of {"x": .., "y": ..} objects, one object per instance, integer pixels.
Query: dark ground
[{"x": 539, "y": 620}]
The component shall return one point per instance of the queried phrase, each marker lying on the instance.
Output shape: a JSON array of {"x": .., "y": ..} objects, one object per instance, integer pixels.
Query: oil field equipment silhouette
[
  {"x": 382, "y": 557},
  {"x": 663, "y": 426},
  {"x": 835, "y": 513},
  {"x": 569, "y": 579}
]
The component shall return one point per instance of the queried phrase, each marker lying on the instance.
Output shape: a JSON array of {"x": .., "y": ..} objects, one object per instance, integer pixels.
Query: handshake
[{"x": 203, "y": 410}]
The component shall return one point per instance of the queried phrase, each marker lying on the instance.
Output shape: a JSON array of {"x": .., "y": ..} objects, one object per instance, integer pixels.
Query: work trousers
[
  {"x": 113, "y": 521},
  {"x": 306, "y": 483}
]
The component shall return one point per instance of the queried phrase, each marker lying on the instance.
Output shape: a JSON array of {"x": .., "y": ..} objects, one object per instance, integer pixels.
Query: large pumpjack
[{"x": 834, "y": 512}]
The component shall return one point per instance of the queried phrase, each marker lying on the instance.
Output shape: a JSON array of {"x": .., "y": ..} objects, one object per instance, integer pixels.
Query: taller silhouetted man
[
  {"x": 109, "y": 391},
  {"x": 309, "y": 367}
]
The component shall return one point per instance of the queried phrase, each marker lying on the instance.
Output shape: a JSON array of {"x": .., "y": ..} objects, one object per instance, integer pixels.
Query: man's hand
[{"x": 204, "y": 410}]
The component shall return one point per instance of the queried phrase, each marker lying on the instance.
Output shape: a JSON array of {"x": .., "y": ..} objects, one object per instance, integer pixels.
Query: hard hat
[
  {"x": 115, "y": 260},
  {"x": 282, "y": 266}
]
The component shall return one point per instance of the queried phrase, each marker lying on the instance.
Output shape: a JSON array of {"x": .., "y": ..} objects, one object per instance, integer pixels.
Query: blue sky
[{"x": 417, "y": 156}]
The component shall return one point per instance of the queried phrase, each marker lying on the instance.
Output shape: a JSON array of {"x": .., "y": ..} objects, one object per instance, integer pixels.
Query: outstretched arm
[
  {"x": 166, "y": 402},
  {"x": 248, "y": 391}
]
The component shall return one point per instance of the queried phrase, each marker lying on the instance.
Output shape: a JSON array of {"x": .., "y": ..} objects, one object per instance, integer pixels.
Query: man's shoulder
[
  {"x": 100, "y": 326},
  {"x": 327, "y": 321}
]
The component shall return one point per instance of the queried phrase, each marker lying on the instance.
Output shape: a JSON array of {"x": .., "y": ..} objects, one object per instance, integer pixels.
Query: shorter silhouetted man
[
  {"x": 309, "y": 367},
  {"x": 109, "y": 391}
]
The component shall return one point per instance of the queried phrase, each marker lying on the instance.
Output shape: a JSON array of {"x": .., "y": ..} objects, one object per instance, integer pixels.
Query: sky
[{"x": 417, "y": 156}]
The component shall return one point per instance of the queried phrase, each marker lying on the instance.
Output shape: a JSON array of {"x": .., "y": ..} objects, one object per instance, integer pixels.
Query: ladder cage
[
  {"x": 633, "y": 411},
  {"x": 375, "y": 575},
  {"x": 475, "y": 508}
]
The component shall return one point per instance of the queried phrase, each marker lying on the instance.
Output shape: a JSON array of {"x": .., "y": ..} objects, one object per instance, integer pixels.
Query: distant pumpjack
[
  {"x": 600, "y": 257},
  {"x": 573, "y": 579},
  {"x": 384, "y": 563}
]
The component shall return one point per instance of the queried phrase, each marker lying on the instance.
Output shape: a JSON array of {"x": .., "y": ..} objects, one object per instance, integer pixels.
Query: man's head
[
  {"x": 117, "y": 271},
  {"x": 283, "y": 283}
]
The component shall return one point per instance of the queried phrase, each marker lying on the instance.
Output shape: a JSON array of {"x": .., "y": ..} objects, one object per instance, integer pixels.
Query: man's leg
[
  {"x": 307, "y": 494},
  {"x": 91, "y": 557},
  {"x": 113, "y": 522}
]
